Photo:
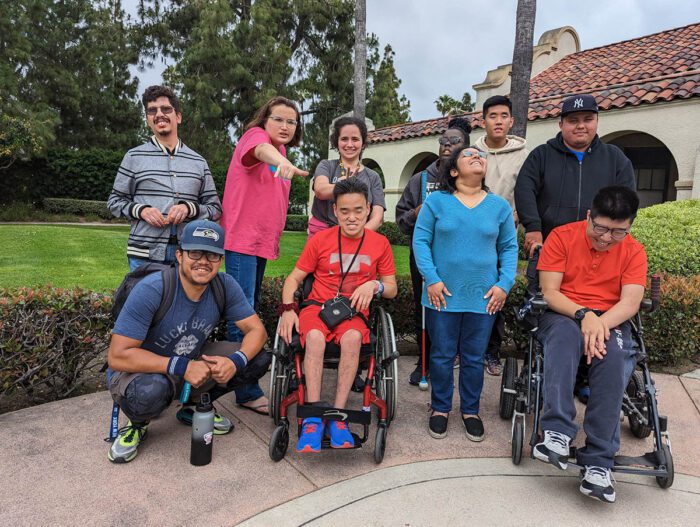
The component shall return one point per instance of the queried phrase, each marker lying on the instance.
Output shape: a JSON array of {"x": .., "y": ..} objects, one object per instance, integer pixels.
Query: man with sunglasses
[
  {"x": 558, "y": 180},
  {"x": 417, "y": 189},
  {"x": 161, "y": 185},
  {"x": 592, "y": 274},
  {"x": 150, "y": 362}
]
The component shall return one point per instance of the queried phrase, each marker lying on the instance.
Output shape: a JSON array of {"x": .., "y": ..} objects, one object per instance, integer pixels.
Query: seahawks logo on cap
[{"x": 203, "y": 232}]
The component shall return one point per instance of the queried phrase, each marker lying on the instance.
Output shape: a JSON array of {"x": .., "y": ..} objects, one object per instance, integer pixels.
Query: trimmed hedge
[
  {"x": 394, "y": 235},
  {"x": 296, "y": 223},
  {"x": 49, "y": 337},
  {"x": 80, "y": 207},
  {"x": 670, "y": 233}
]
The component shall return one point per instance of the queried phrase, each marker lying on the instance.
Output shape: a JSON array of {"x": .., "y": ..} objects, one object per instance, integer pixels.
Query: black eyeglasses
[
  {"x": 153, "y": 110},
  {"x": 617, "y": 234},
  {"x": 211, "y": 257},
  {"x": 454, "y": 140},
  {"x": 278, "y": 120}
]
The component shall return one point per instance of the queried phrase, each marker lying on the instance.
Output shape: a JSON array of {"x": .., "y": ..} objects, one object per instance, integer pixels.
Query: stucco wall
[{"x": 675, "y": 124}]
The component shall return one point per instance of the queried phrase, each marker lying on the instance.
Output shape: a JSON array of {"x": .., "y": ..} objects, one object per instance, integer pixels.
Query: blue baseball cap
[
  {"x": 579, "y": 103},
  {"x": 203, "y": 235}
]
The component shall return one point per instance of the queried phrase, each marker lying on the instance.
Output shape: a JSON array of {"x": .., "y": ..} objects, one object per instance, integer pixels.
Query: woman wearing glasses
[
  {"x": 349, "y": 137},
  {"x": 466, "y": 249},
  {"x": 256, "y": 198},
  {"x": 418, "y": 188}
]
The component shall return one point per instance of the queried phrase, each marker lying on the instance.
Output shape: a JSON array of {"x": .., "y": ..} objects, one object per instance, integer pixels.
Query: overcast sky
[{"x": 446, "y": 46}]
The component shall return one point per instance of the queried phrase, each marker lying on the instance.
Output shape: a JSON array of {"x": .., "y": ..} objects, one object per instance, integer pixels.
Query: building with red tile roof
[{"x": 648, "y": 94}]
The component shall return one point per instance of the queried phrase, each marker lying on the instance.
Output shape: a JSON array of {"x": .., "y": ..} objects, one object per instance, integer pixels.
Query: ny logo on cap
[
  {"x": 201, "y": 232},
  {"x": 578, "y": 103}
]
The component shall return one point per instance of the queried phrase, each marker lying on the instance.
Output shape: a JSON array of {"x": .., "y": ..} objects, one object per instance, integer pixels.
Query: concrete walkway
[{"x": 55, "y": 471}]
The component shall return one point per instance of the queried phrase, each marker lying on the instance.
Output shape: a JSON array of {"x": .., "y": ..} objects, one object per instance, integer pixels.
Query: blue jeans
[
  {"x": 248, "y": 271},
  {"x": 169, "y": 258},
  {"x": 563, "y": 345},
  {"x": 450, "y": 334}
]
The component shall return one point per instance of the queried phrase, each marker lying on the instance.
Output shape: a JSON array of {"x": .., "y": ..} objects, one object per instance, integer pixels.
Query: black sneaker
[
  {"x": 417, "y": 375},
  {"x": 437, "y": 426},
  {"x": 475, "y": 428},
  {"x": 596, "y": 482},
  {"x": 554, "y": 449}
]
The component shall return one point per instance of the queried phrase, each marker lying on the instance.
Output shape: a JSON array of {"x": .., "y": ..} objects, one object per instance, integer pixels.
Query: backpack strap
[
  {"x": 219, "y": 290},
  {"x": 423, "y": 185},
  {"x": 166, "y": 300}
]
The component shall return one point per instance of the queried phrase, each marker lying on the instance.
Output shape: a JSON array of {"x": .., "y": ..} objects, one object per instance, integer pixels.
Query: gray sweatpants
[
  {"x": 563, "y": 346},
  {"x": 143, "y": 396}
]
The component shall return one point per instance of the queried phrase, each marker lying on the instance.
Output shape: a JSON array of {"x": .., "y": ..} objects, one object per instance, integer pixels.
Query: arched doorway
[
  {"x": 416, "y": 164},
  {"x": 654, "y": 166},
  {"x": 372, "y": 164}
]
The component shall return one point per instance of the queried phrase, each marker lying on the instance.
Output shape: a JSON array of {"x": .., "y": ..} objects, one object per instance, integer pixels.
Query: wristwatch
[
  {"x": 380, "y": 289},
  {"x": 581, "y": 313},
  {"x": 293, "y": 306}
]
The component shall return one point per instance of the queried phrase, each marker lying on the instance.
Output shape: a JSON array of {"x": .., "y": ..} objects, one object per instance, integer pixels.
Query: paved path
[{"x": 55, "y": 472}]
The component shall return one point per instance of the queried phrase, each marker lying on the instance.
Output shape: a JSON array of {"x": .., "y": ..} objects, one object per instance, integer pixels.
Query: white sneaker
[
  {"x": 596, "y": 482},
  {"x": 554, "y": 449}
]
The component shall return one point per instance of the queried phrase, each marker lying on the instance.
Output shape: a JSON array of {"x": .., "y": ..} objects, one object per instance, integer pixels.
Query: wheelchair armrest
[
  {"x": 539, "y": 304},
  {"x": 647, "y": 306}
]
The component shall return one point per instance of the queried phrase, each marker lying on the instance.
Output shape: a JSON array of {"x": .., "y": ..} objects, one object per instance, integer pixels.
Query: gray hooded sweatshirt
[{"x": 503, "y": 165}]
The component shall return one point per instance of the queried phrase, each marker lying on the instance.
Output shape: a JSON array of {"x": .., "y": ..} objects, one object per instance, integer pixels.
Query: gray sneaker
[
  {"x": 125, "y": 446},
  {"x": 554, "y": 449}
]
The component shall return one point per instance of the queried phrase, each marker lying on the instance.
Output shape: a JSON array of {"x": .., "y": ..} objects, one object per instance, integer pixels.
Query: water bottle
[{"x": 202, "y": 432}]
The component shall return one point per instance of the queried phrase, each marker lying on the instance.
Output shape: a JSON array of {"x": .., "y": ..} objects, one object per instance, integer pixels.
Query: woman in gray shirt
[{"x": 349, "y": 137}]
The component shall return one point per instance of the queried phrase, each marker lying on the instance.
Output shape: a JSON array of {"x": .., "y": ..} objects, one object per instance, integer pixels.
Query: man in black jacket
[{"x": 559, "y": 179}]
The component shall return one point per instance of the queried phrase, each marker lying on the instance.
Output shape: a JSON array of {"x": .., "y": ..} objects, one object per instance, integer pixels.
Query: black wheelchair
[
  {"x": 379, "y": 359},
  {"x": 521, "y": 393}
]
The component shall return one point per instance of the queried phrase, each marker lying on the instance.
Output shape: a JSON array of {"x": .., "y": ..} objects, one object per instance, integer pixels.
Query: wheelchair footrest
[
  {"x": 326, "y": 443},
  {"x": 647, "y": 460},
  {"x": 335, "y": 414}
]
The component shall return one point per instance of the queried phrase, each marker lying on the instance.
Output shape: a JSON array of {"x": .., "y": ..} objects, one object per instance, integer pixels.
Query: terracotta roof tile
[{"x": 647, "y": 70}]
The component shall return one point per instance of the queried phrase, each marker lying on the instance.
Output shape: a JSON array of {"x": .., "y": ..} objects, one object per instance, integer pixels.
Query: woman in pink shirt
[{"x": 256, "y": 197}]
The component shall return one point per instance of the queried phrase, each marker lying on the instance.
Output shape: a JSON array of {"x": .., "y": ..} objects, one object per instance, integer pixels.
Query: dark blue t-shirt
[{"x": 187, "y": 324}]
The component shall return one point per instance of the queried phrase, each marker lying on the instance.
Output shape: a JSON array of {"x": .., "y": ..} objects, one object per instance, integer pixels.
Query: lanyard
[{"x": 343, "y": 273}]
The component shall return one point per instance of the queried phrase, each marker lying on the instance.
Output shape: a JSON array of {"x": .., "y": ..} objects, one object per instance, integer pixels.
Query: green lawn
[{"x": 95, "y": 257}]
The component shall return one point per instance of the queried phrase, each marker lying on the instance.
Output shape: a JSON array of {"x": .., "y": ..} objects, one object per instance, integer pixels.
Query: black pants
[
  {"x": 417, "y": 282},
  {"x": 497, "y": 334}
]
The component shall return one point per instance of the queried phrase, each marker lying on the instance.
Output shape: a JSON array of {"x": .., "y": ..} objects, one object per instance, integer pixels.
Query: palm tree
[
  {"x": 522, "y": 64},
  {"x": 360, "y": 77}
]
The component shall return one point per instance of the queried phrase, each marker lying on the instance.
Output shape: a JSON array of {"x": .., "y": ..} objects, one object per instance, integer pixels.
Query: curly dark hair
[
  {"x": 347, "y": 121},
  {"x": 266, "y": 109},
  {"x": 461, "y": 124},
  {"x": 153, "y": 92},
  {"x": 446, "y": 182}
]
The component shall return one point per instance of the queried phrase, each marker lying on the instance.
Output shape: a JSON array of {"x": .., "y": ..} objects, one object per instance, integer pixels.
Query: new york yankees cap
[
  {"x": 579, "y": 103},
  {"x": 203, "y": 235}
]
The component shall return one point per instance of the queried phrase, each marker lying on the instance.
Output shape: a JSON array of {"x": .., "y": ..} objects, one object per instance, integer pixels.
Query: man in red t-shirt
[
  {"x": 346, "y": 260},
  {"x": 593, "y": 275}
]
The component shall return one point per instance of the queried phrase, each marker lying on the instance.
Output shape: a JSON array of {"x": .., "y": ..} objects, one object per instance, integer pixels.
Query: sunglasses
[
  {"x": 153, "y": 110},
  {"x": 472, "y": 153},
  {"x": 278, "y": 120},
  {"x": 617, "y": 234},
  {"x": 444, "y": 141},
  {"x": 211, "y": 257}
]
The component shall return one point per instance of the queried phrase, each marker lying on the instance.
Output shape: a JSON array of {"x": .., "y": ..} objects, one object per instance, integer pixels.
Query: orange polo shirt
[{"x": 592, "y": 278}]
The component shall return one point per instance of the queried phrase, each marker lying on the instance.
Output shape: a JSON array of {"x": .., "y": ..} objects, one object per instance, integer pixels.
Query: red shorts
[{"x": 309, "y": 319}]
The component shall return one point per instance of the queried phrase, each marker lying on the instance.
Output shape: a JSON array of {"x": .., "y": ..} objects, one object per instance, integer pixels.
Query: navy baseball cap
[
  {"x": 579, "y": 103},
  {"x": 203, "y": 235}
]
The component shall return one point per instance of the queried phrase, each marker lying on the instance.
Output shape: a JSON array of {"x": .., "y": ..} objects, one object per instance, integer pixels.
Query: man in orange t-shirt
[
  {"x": 347, "y": 261},
  {"x": 593, "y": 275}
]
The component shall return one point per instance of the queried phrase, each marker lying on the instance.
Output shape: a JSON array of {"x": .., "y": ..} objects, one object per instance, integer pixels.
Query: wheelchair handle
[{"x": 655, "y": 290}]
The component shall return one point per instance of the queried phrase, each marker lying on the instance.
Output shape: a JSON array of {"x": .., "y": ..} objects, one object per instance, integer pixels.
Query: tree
[
  {"x": 360, "y": 76},
  {"x": 385, "y": 106},
  {"x": 446, "y": 105},
  {"x": 522, "y": 64}
]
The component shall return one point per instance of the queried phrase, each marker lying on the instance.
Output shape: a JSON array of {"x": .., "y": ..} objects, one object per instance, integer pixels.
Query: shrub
[
  {"x": 79, "y": 207},
  {"x": 393, "y": 234},
  {"x": 296, "y": 223},
  {"x": 49, "y": 337},
  {"x": 670, "y": 233}
]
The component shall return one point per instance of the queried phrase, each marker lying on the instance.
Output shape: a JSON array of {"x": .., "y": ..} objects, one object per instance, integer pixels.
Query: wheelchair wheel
[
  {"x": 388, "y": 373},
  {"x": 506, "y": 403},
  {"x": 517, "y": 438},
  {"x": 637, "y": 394},
  {"x": 279, "y": 442},
  {"x": 666, "y": 481},
  {"x": 380, "y": 444},
  {"x": 279, "y": 380}
]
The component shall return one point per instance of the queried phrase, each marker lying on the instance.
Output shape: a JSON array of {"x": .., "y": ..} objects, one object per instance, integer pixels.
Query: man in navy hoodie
[{"x": 559, "y": 179}]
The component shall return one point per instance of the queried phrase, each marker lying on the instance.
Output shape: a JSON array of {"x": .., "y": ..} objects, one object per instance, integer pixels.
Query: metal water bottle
[{"x": 202, "y": 432}]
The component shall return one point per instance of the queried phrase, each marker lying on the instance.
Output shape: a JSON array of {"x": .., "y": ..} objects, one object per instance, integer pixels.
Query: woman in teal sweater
[{"x": 467, "y": 251}]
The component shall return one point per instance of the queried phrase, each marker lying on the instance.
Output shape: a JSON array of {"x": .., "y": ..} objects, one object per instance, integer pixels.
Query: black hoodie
[
  {"x": 553, "y": 188},
  {"x": 411, "y": 198}
]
